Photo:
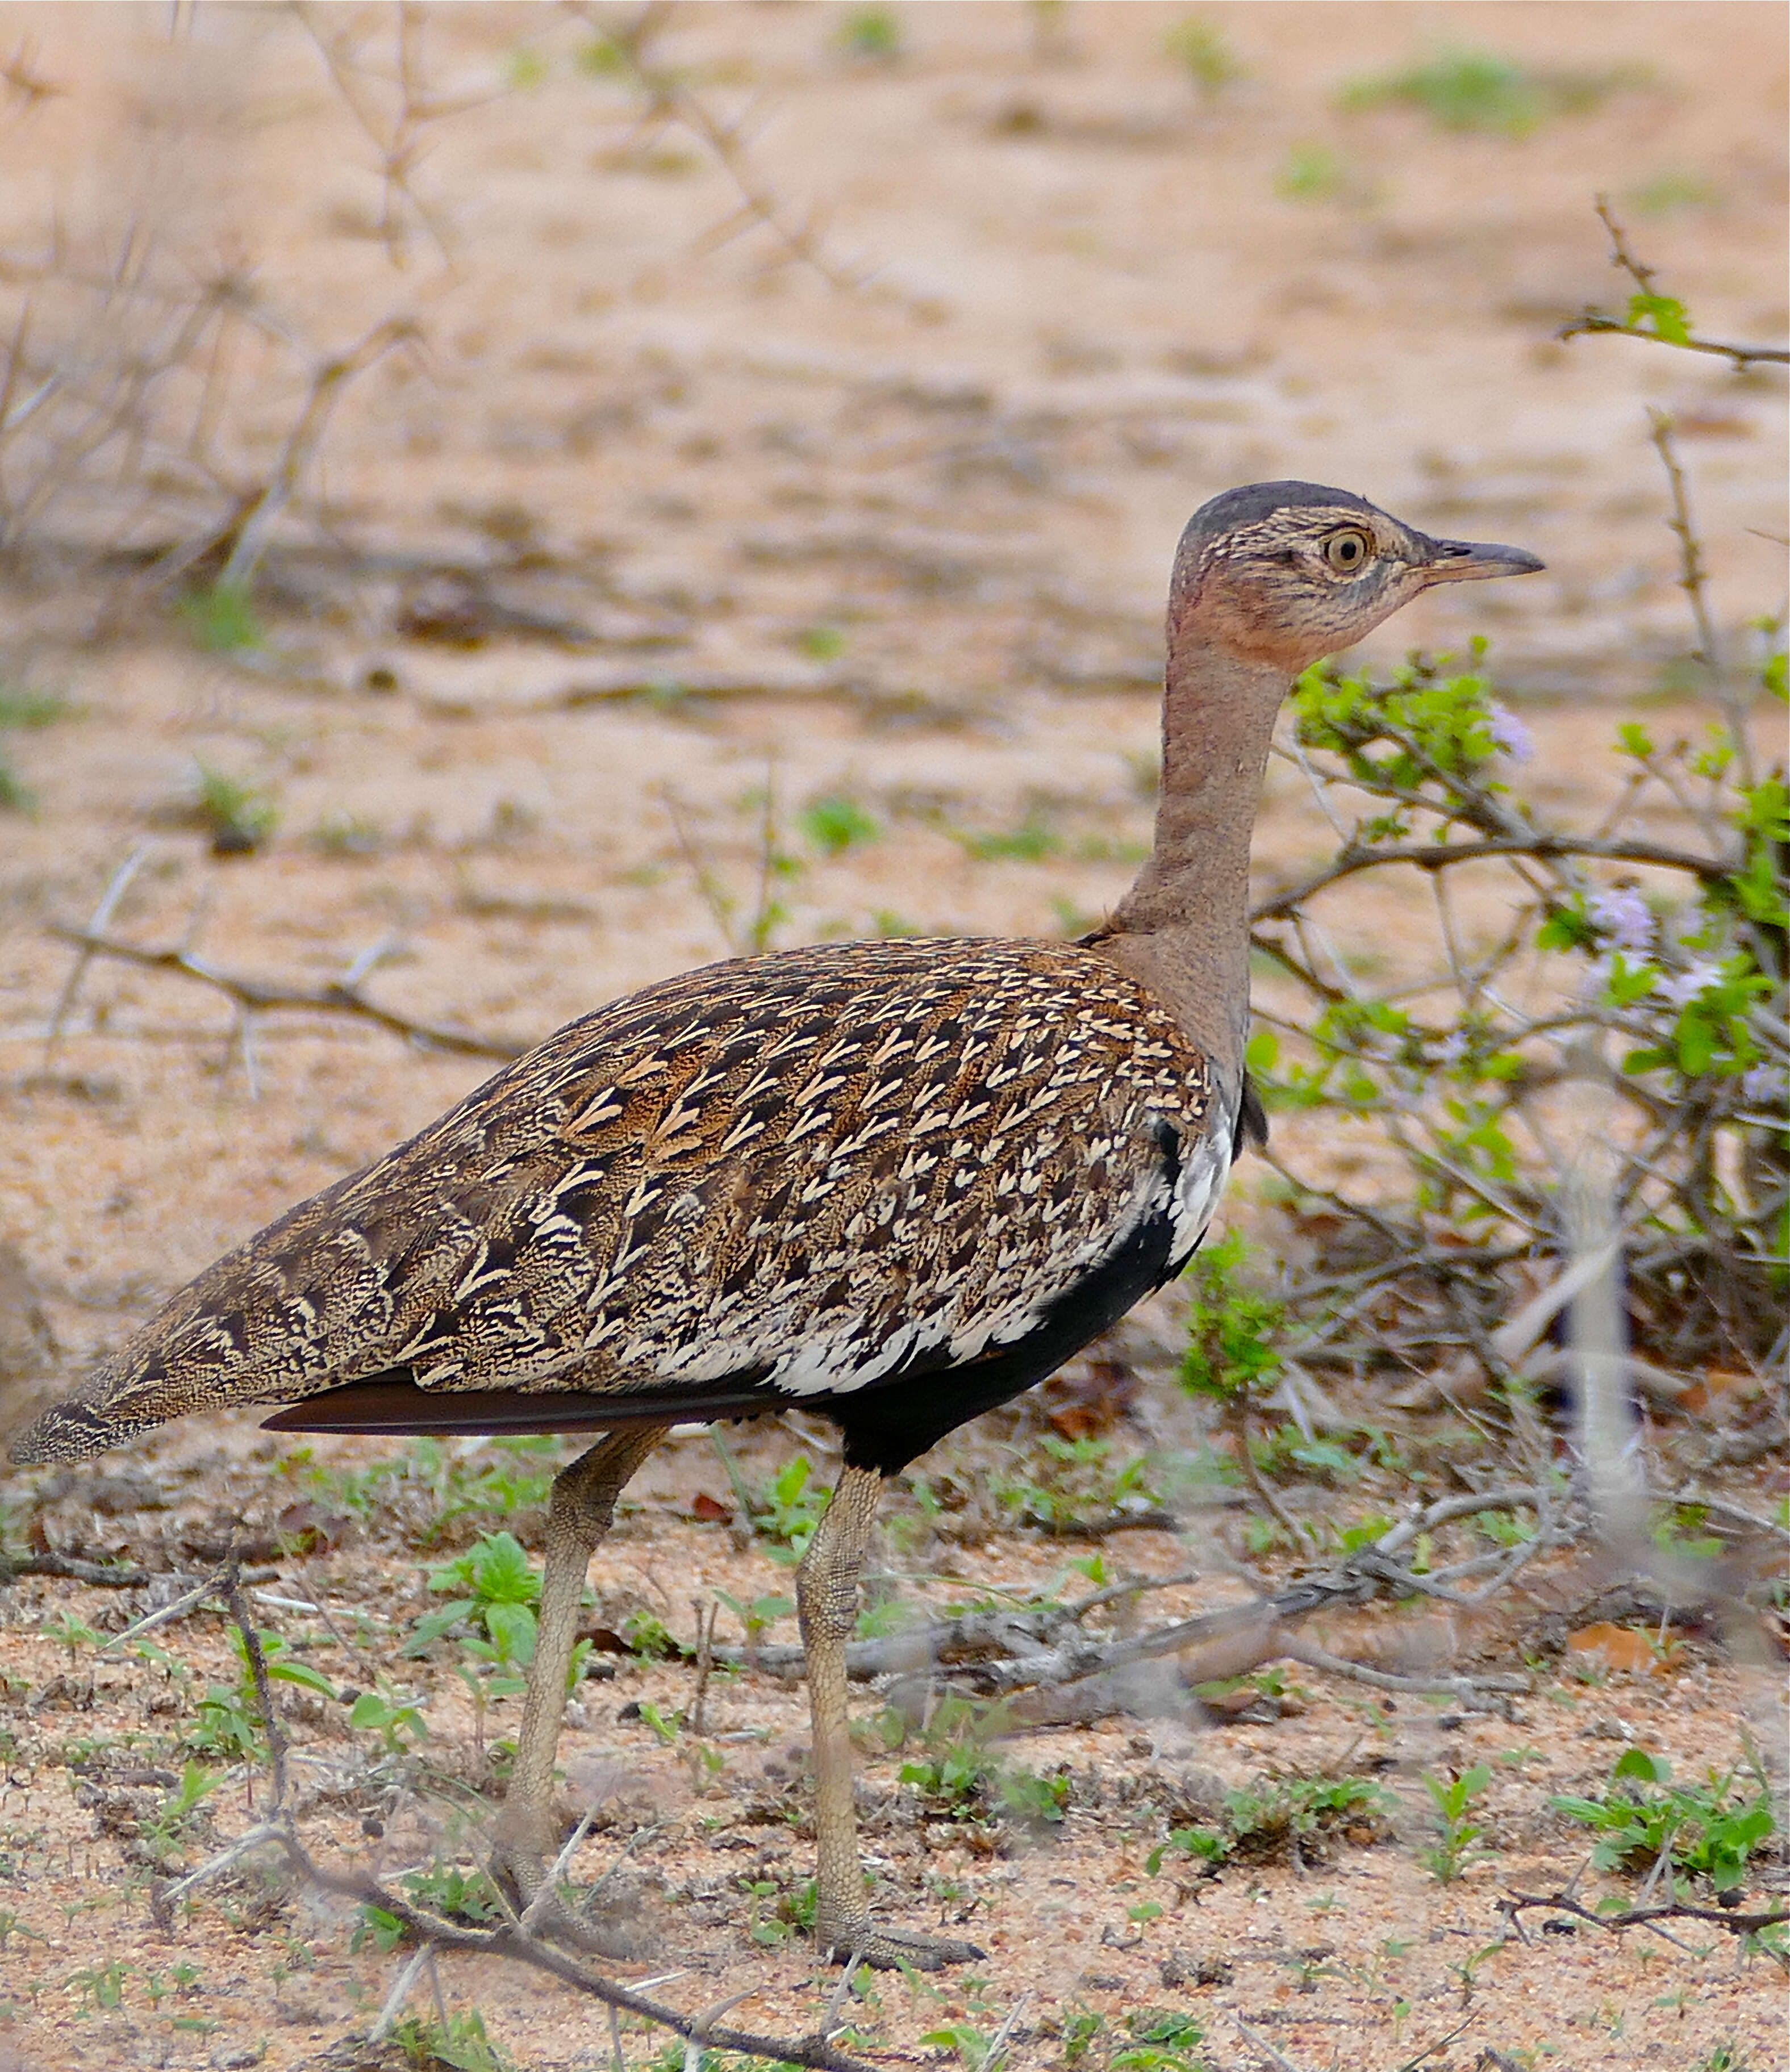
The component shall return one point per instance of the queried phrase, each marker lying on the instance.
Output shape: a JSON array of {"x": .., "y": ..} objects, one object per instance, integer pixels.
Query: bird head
[{"x": 1282, "y": 572}]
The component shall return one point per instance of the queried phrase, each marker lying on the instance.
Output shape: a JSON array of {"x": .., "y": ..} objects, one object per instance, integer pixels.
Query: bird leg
[
  {"x": 578, "y": 1514},
  {"x": 826, "y": 1596}
]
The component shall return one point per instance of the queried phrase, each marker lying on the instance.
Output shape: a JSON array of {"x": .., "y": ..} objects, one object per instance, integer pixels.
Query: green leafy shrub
[
  {"x": 1203, "y": 52},
  {"x": 1234, "y": 1329},
  {"x": 427, "y": 1490},
  {"x": 1279, "y": 1816},
  {"x": 1645, "y": 1822},
  {"x": 1059, "y": 1483},
  {"x": 836, "y": 823},
  {"x": 1681, "y": 987},
  {"x": 398, "y": 1722},
  {"x": 786, "y": 1511},
  {"x": 1482, "y": 91},
  {"x": 240, "y": 817},
  {"x": 492, "y": 1618},
  {"x": 962, "y": 1776},
  {"x": 454, "y": 1893},
  {"x": 21, "y": 709},
  {"x": 1458, "y": 1845},
  {"x": 227, "y": 1722},
  {"x": 872, "y": 33},
  {"x": 500, "y": 1589},
  {"x": 649, "y": 1638},
  {"x": 458, "y": 2042},
  {"x": 1161, "y": 2038},
  {"x": 222, "y": 619},
  {"x": 1031, "y": 841}
]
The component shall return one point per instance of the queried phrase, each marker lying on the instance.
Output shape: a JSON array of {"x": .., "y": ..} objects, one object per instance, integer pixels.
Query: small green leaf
[
  {"x": 1639, "y": 1762},
  {"x": 512, "y": 1630},
  {"x": 1662, "y": 317},
  {"x": 302, "y": 1674}
]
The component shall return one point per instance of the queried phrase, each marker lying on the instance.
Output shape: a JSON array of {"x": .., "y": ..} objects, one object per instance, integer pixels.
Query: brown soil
[{"x": 647, "y": 523}]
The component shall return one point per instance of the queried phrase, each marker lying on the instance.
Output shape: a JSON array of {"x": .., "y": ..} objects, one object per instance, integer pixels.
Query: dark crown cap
[{"x": 1256, "y": 500}]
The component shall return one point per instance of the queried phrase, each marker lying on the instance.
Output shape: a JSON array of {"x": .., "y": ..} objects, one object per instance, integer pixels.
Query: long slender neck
[{"x": 1184, "y": 927}]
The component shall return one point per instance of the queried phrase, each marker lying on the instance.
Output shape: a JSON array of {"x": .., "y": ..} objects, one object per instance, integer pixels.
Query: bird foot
[
  {"x": 893, "y": 1949},
  {"x": 555, "y": 1913}
]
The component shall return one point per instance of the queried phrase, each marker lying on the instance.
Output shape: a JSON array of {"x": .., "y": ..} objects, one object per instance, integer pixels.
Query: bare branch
[
  {"x": 1734, "y": 1921},
  {"x": 1593, "y": 321},
  {"x": 98, "y": 921},
  {"x": 398, "y": 136},
  {"x": 328, "y": 382},
  {"x": 1441, "y": 856},
  {"x": 262, "y": 997},
  {"x": 510, "y": 1940},
  {"x": 1314, "y": 1657},
  {"x": 104, "y": 1575},
  {"x": 1039, "y": 1647},
  {"x": 1278, "y": 2058},
  {"x": 669, "y": 98},
  {"x": 1693, "y": 580},
  {"x": 1644, "y": 277}
]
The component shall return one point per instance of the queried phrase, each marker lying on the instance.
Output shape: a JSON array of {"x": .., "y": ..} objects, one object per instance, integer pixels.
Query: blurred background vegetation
[{"x": 501, "y": 503}]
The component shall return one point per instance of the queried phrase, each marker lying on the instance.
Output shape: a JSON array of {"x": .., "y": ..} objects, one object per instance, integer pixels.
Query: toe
[{"x": 895, "y": 1949}]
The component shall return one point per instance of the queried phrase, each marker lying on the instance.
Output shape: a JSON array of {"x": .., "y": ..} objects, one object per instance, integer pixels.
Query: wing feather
[{"x": 815, "y": 1165}]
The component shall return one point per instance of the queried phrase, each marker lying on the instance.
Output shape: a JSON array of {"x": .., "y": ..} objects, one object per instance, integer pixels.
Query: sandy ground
[{"x": 644, "y": 524}]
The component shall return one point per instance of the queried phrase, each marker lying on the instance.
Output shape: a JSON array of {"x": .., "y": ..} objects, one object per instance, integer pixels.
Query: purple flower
[
  {"x": 1624, "y": 917},
  {"x": 1680, "y": 988},
  {"x": 1509, "y": 733},
  {"x": 1452, "y": 1047}
]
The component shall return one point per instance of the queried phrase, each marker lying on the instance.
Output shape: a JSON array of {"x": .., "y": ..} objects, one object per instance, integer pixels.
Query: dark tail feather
[{"x": 393, "y": 1403}]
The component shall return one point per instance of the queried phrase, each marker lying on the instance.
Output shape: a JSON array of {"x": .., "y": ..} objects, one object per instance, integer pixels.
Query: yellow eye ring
[{"x": 1347, "y": 552}]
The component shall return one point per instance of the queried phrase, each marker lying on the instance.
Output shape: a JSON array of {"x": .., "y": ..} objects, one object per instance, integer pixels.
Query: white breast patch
[{"x": 1197, "y": 1188}]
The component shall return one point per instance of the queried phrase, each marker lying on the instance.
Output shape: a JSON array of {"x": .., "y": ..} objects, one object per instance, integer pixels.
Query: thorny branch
[
  {"x": 998, "y": 1653},
  {"x": 1458, "y": 1069},
  {"x": 1732, "y": 1920},
  {"x": 1355, "y": 857},
  {"x": 668, "y": 98},
  {"x": 328, "y": 383},
  {"x": 260, "y": 996},
  {"x": 1693, "y": 580},
  {"x": 1644, "y": 277},
  {"x": 514, "y": 1937},
  {"x": 397, "y": 137}
]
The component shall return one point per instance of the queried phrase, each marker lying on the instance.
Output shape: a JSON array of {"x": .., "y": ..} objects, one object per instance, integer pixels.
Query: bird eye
[{"x": 1347, "y": 552}]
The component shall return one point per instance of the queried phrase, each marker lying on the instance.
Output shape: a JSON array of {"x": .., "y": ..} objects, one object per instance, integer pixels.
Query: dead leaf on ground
[{"x": 1623, "y": 1648}]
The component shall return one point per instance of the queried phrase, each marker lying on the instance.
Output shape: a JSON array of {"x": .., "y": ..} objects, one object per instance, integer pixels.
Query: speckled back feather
[{"x": 810, "y": 1168}]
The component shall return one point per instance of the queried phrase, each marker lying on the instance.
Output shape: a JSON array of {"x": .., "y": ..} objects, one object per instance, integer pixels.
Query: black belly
[{"x": 884, "y": 1425}]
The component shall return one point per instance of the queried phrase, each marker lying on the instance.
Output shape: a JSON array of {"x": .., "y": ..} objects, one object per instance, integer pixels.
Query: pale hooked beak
[{"x": 1474, "y": 560}]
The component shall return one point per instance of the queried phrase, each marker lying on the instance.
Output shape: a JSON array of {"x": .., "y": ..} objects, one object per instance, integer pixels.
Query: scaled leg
[{"x": 826, "y": 1595}]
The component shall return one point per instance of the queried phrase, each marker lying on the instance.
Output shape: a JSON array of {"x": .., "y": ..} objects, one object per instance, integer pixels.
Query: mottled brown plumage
[
  {"x": 895, "y": 1182},
  {"x": 783, "y": 1179}
]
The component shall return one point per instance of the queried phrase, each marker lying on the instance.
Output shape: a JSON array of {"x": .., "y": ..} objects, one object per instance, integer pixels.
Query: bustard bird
[{"x": 893, "y": 1183}]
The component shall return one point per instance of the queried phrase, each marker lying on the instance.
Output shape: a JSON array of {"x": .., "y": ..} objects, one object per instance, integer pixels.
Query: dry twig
[
  {"x": 329, "y": 381},
  {"x": 1001, "y": 1653},
  {"x": 397, "y": 136},
  {"x": 513, "y": 1938},
  {"x": 513, "y": 1941},
  {"x": 1278, "y": 2059},
  {"x": 1732, "y": 1920},
  {"x": 1644, "y": 277},
  {"x": 260, "y": 996},
  {"x": 668, "y": 98}
]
